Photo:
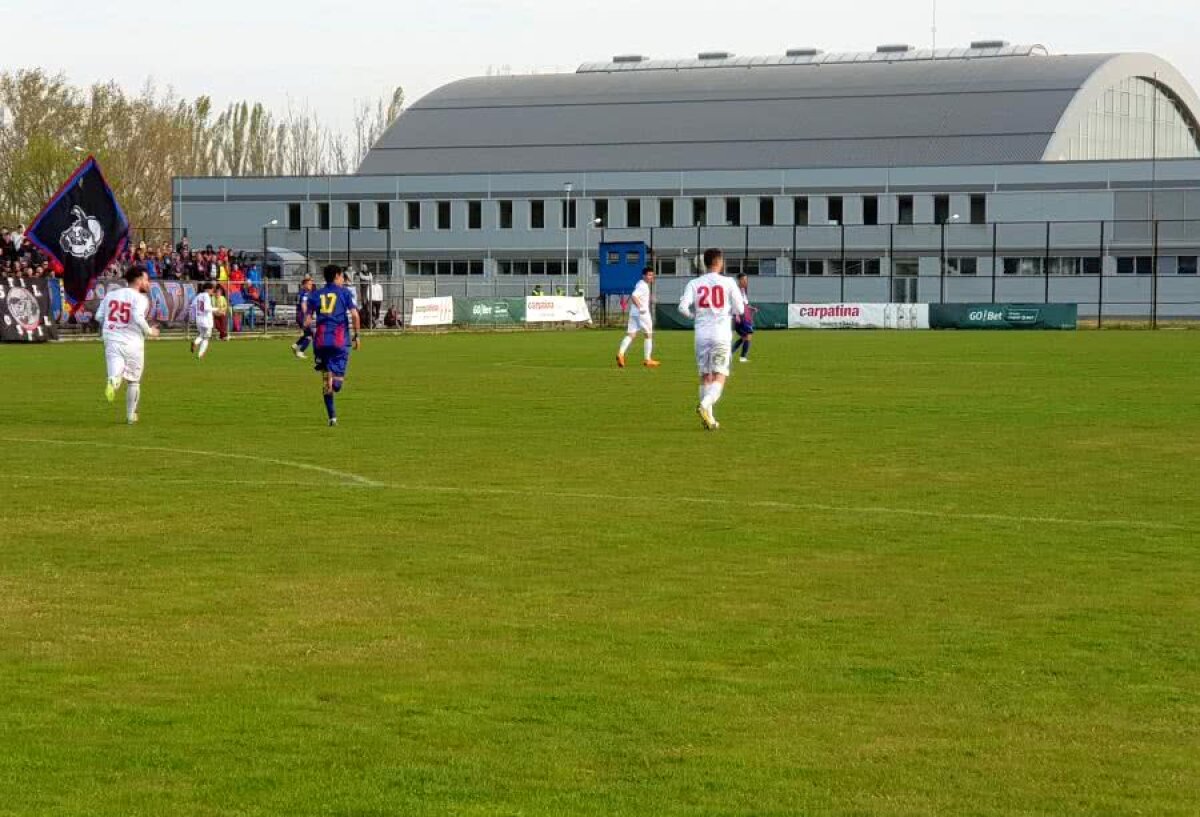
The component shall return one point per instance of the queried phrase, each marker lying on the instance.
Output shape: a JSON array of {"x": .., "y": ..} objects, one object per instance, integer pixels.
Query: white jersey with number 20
[{"x": 713, "y": 299}]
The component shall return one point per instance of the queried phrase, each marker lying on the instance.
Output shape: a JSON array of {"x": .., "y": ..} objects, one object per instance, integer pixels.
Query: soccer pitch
[{"x": 913, "y": 574}]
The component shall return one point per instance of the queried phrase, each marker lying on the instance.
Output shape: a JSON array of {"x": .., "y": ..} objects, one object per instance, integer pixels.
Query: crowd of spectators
[
  {"x": 162, "y": 261},
  {"x": 19, "y": 258}
]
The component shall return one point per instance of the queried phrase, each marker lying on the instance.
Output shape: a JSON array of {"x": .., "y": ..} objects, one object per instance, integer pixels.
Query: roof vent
[
  {"x": 804, "y": 52},
  {"x": 629, "y": 58},
  {"x": 714, "y": 55},
  {"x": 894, "y": 48},
  {"x": 981, "y": 45}
]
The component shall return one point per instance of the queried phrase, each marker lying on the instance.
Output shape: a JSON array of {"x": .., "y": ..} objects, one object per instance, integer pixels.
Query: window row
[{"x": 540, "y": 214}]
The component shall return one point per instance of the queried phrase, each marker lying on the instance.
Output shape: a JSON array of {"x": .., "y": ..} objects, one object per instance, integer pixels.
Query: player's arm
[
  {"x": 139, "y": 318},
  {"x": 356, "y": 325},
  {"x": 687, "y": 301},
  {"x": 738, "y": 302}
]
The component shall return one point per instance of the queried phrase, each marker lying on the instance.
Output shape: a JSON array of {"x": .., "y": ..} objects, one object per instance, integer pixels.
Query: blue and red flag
[{"x": 82, "y": 228}]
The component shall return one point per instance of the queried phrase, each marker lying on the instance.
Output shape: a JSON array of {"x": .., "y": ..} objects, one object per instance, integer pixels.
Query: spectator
[
  {"x": 221, "y": 313},
  {"x": 537, "y": 291},
  {"x": 392, "y": 319}
]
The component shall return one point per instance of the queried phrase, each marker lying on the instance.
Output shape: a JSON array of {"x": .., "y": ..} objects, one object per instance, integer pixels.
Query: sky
[{"x": 328, "y": 56}]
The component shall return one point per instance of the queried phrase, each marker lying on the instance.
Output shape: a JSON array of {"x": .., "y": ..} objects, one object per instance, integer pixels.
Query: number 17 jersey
[
  {"x": 332, "y": 306},
  {"x": 714, "y": 300}
]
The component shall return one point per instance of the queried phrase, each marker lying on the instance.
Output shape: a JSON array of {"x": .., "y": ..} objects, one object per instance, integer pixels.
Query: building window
[
  {"x": 293, "y": 217},
  {"x": 835, "y": 209},
  {"x": 353, "y": 216},
  {"x": 733, "y": 212},
  {"x": 633, "y": 212},
  {"x": 700, "y": 212},
  {"x": 666, "y": 266},
  {"x": 537, "y": 214},
  {"x": 1023, "y": 266},
  {"x": 978, "y": 209},
  {"x": 412, "y": 215},
  {"x": 962, "y": 266},
  {"x": 666, "y": 212},
  {"x": 801, "y": 211},
  {"x": 383, "y": 216},
  {"x": 1187, "y": 265},
  {"x": 871, "y": 210},
  {"x": 323, "y": 216},
  {"x": 904, "y": 210},
  {"x": 601, "y": 211},
  {"x": 766, "y": 211},
  {"x": 1134, "y": 265},
  {"x": 809, "y": 266},
  {"x": 941, "y": 209},
  {"x": 443, "y": 215},
  {"x": 506, "y": 214},
  {"x": 474, "y": 215},
  {"x": 568, "y": 214}
]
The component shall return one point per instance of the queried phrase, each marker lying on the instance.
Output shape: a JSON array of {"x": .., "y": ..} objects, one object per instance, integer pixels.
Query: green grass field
[{"x": 913, "y": 574}]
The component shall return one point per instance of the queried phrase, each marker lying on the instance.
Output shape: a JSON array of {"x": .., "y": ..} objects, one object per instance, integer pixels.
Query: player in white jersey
[
  {"x": 641, "y": 319},
  {"x": 122, "y": 318},
  {"x": 202, "y": 313},
  {"x": 712, "y": 300}
]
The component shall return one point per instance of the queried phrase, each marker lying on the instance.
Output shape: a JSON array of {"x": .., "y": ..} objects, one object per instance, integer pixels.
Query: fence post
[
  {"x": 1046, "y": 263},
  {"x": 746, "y": 249},
  {"x": 307, "y": 253},
  {"x": 265, "y": 292},
  {"x": 1154, "y": 281},
  {"x": 995, "y": 271},
  {"x": 1100, "y": 288},
  {"x": 793, "y": 262},
  {"x": 842, "y": 228},
  {"x": 891, "y": 293},
  {"x": 942, "y": 265}
]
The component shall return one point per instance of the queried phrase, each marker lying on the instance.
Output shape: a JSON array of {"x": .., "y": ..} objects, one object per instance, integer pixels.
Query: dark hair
[
  {"x": 206, "y": 286},
  {"x": 331, "y": 273},
  {"x": 711, "y": 256},
  {"x": 647, "y": 269},
  {"x": 742, "y": 275},
  {"x": 134, "y": 273}
]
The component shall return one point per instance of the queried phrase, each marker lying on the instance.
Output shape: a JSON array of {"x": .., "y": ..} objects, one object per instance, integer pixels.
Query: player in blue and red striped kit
[{"x": 333, "y": 317}]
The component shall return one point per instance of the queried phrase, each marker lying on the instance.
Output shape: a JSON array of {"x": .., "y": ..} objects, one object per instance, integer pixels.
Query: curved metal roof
[{"x": 914, "y": 109}]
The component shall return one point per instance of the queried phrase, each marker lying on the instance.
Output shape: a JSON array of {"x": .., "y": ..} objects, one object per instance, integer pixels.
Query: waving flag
[{"x": 82, "y": 228}]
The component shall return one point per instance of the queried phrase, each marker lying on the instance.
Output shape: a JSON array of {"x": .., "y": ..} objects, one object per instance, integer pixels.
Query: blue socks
[
  {"x": 746, "y": 348},
  {"x": 302, "y": 344},
  {"x": 329, "y": 409},
  {"x": 337, "y": 386}
]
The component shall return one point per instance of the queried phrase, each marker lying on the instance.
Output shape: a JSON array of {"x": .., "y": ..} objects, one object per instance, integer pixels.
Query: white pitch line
[
  {"x": 302, "y": 466},
  {"x": 797, "y": 506},
  {"x": 479, "y": 490}
]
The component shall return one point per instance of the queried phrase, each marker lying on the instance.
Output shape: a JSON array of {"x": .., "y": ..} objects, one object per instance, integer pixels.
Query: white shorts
[
  {"x": 713, "y": 355},
  {"x": 124, "y": 362},
  {"x": 204, "y": 330},
  {"x": 639, "y": 323}
]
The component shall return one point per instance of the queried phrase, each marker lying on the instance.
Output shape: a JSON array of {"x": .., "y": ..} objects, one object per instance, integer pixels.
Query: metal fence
[{"x": 1113, "y": 269}]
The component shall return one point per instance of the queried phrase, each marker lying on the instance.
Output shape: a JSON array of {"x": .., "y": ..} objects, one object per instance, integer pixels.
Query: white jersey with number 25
[
  {"x": 713, "y": 299},
  {"x": 122, "y": 317}
]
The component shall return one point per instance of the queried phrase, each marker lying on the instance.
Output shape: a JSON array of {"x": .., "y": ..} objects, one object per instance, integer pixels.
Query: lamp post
[
  {"x": 568, "y": 187},
  {"x": 594, "y": 224}
]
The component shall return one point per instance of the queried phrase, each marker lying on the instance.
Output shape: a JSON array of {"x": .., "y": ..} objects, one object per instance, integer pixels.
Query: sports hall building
[{"x": 994, "y": 171}]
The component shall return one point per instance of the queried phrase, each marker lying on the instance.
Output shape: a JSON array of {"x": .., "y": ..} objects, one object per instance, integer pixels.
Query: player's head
[
  {"x": 714, "y": 260},
  {"x": 743, "y": 280},
  {"x": 333, "y": 274},
  {"x": 136, "y": 277},
  {"x": 207, "y": 286},
  {"x": 307, "y": 283},
  {"x": 648, "y": 275}
]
